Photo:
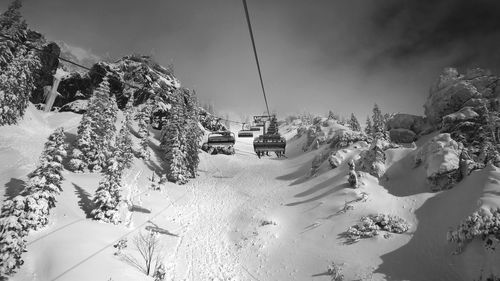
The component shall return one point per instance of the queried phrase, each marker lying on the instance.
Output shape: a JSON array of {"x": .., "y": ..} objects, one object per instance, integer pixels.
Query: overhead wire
[{"x": 255, "y": 54}]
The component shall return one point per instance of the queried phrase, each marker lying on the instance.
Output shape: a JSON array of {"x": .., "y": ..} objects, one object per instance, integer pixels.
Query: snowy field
[{"x": 245, "y": 218}]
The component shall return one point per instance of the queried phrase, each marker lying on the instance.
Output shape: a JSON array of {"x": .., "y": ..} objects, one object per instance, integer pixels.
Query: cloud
[{"x": 468, "y": 32}]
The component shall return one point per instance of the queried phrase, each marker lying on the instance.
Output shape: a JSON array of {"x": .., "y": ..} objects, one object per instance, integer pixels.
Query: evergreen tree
[
  {"x": 44, "y": 183},
  {"x": 354, "y": 124},
  {"x": 124, "y": 146},
  {"x": 369, "y": 126},
  {"x": 173, "y": 143},
  {"x": 17, "y": 66},
  {"x": 96, "y": 131},
  {"x": 13, "y": 234},
  {"x": 107, "y": 196},
  {"x": 30, "y": 210},
  {"x": 13, "y": 26},
  {"x": 193, "y": 133},
  {"x": 378, "y": 121},
  {"x": 143, "y": 132},
  {"x": 17, "y": 81}
]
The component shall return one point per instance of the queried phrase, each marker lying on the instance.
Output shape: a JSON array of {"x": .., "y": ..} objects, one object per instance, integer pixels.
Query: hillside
[{"x": 245, "y": 218}]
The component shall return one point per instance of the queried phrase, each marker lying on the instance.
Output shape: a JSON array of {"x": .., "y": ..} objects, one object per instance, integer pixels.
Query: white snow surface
[
  {"x": 245, "y": 218},
  {"x": 440, "y": 155}
]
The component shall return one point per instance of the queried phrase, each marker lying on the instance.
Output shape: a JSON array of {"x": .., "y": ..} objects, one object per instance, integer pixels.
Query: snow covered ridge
[{"x": 134, "y": 76}]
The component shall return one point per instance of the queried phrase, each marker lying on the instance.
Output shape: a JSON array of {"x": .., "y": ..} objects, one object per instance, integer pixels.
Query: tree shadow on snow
[
  {"x": 321, "y": 185},
  {"x": 140, "y": 209},
  {"x": 324, "y": 194},
  {"x": 299, "y": 176},
  {"x": 428, "y": 248},
  {"x": 13, "y": 188},
  {"x": 85, "y": 201},
  {"x": 326, "y": 273}
]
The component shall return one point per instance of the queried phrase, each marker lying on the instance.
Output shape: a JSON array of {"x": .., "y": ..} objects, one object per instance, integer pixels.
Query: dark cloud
[{"x": 469, "y": 31}]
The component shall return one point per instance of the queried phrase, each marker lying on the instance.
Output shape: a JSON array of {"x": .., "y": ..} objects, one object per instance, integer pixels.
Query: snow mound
[{"x": 441, "y": 158}]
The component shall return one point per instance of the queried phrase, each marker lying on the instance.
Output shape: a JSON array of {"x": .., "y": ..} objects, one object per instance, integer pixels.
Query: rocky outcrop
[
  {"x": 410, "y": 122},
  {"x": 135, "y": 75},
  {"x": 402, "y": 135},
  {"x": 77, "y": 106},
  {"x": 49, "y": 61},
  {"x": 74, "y": 87},
  {"x": 453, "y": 91},
  {"x": 466, "y": 106},
  {"x": 464, "y": 114},
  {"x": 440, "y": 158}
]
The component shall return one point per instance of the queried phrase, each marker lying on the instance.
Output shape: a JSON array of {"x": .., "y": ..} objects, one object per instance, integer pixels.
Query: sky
[{"x": 317, "y": 55}]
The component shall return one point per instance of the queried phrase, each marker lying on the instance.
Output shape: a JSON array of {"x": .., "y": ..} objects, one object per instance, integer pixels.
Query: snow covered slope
[{"x": 245, "y": 218}]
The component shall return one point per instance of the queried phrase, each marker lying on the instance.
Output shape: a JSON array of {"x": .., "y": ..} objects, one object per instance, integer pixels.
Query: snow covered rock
[
  {"x": 414, "y": 123},
  {"x": 453, "y": 91},
  {"x": 402, "y": 136},
  {"x": 372, "y": 160},
  {"x": 77, "y": 106},
  {"x": 448, "y": 100},
  {"x": 344, "y": 138},
  {"x": 337, "y": 158},
  {"x": 440, "y": 157},
  {"x": 464, "y": 114},
  {"x": 74, "y": 87}
]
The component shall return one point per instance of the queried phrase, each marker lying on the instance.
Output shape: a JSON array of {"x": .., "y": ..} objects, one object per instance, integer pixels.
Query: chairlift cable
[{"x": 255, "y": 54}]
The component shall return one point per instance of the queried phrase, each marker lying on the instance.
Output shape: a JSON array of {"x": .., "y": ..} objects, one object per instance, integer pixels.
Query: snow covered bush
[
  {"x": 484, "y": 224},
  {"x": 371, "y": 225},
  {"x": 160, "y": 273},
  {"x": 335, "y": 272}
]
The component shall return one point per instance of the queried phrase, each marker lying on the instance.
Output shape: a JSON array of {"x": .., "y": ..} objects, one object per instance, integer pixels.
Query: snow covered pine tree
[
  {"x": 107, "y": 196},
  {"x": 95, "y": 132},
  {"x": 17, "y": 66},
  {"x": 30, "y": 210}
]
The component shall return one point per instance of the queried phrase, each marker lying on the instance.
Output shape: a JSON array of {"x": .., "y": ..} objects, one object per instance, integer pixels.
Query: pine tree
[
  {"x": 96, "y": 131},
  {"x": 369, "y": 126},
  {"x": 107, "y": 196},
  {"x": 13, "y": 26},
  {"x": 44, "y": 183},
  {"x": 143, "y": 132},
  {"x": 193, "y": 133},
  {"x": 16, "y": 84},
  {"x": 354, "y": 124},
  {"x": 124, "y": 146},
  {"x": 17, "y": 66},
  {"x": 173, "y": 144},
  {"x": 378, "y": 121},
  {"x": 13, "y": 234}
]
